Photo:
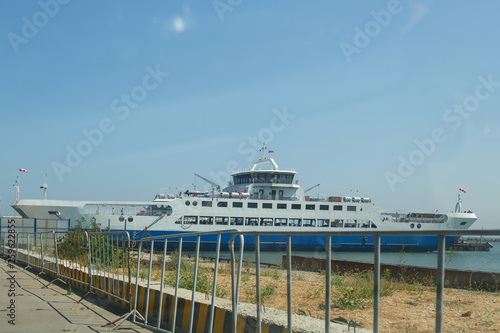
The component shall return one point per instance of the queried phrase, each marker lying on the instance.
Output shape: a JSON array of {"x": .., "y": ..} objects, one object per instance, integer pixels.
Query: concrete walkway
[{"x": 33, "y": 308}]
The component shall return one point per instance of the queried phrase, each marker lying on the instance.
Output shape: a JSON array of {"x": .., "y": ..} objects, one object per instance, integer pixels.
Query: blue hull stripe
[{"x": 304, "y": 243}]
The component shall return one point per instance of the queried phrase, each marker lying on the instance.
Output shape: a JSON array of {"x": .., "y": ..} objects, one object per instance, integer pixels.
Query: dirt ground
[{"x": 408, "y": 308}]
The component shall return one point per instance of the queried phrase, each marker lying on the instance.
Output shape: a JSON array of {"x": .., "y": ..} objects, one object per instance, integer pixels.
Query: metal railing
[
  {"x": 50, "y": 262},
  {"x": 441, "y": 235},
  {"x": 108, "y": 259},
  {"x": 72, "y": 256},
  {"x": 96, "y": 261},
  {"x": 177, "y": 241},
  {"x": 30, "y": 250},
  {"x": 3, "y": 242},
  {"x": 23, "y": 248},
  {"x": 109, "y": 264}
]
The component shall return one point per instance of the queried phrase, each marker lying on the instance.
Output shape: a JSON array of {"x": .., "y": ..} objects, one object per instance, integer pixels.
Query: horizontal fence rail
[{"x": 327, "y": 236}]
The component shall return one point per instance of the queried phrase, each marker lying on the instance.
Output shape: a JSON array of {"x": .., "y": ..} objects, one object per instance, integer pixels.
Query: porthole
[
  {"x": 412, "y": 225},
  {"x": 121, "y": 219},
  {"x": 130, "y": 219},
  {"x": 188, "y": 202},
  {"x": 195, "y": 203},
  {"x": 419, "y": 226}
]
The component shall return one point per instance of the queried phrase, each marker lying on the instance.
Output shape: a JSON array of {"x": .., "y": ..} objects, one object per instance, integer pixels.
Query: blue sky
[{"x": 397, "y": 100}]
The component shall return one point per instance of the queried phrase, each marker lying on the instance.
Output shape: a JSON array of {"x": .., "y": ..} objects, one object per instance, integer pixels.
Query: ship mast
[
  {"x": 44, "y": 187},
  {"x": 458, "y": 206},
  {"x": 16, "y": 185},
  {"x": 263, "y": 149}
]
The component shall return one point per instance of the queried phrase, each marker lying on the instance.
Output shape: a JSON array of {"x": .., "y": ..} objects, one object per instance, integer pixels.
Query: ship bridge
[
  {"x": 273, "y": 183},
  {"x": 245, "y": 177}
]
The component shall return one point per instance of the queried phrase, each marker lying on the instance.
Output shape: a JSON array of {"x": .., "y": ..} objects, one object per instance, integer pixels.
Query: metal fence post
[
  {"x": 289, "y": 281},
  {"x": 440, "y": 283},
  {"x": 328, "y": 281},
  {"x": 257, "y": 281},
  {"x": 376, "y": 284}
]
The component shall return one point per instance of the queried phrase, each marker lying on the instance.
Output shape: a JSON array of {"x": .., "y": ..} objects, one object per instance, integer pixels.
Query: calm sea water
[{"x": 465, "y": 260}]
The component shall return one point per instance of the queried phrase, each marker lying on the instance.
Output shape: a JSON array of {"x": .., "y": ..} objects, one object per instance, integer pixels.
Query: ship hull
[
  {"x": 182, "y": 215},
  {"x": 361, "y": 243}
]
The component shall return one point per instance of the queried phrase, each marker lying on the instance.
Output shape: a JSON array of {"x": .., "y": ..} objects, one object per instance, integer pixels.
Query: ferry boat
[{"x": 258, "y": 199}]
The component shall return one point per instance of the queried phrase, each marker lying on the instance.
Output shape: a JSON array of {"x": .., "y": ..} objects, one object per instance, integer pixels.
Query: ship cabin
[{"x": 266, "y": 184}]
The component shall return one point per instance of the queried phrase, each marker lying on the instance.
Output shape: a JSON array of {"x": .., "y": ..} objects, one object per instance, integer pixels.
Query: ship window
[
  {"x": 309, "y": 223},
  {"x": 206, "y": 220},
  {"x": 187, "y": 203},
  {"x": 266, "y": 222},
  {"x": 295, "y": 206},
  {"x": 267, "y": 205},
  {"x": 252, "y": 205},
  {"x": 351, "y": 208},
  {"x": 280, "y": 222},
  {"x": 221, "y": 220},
  {"x": 463, "y": 223},
  {"x": 310, "y": 207},
  {"x": 281, "y": 206},
  {"x": 222, "y": 204},
  {"x": 190, "y": 219},
  {"x": 237, "y": 204},
  {"x": 206, "y": 203},
  {"x": 323, "y": 223},
  {"x": 251, "y": 221},
  {"x": 323, "y": 207},
  {"x": 337, "y": 207},
  {"x": 236, "y": 221}
]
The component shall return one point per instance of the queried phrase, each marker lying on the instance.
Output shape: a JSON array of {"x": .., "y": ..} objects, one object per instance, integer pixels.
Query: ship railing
[
  {"x": 408, "y": 217},
  {"x": 248, "y": 170},
  {"x": 277, "y": 198},
  {"x": 236, "y": 272}
]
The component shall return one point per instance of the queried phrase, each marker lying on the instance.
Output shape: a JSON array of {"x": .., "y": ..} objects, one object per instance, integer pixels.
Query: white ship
[{"x": 259, "y": 199}]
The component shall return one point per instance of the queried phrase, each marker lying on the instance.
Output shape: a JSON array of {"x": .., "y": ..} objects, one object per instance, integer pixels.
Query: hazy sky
[{"x": 120, "y": 100}]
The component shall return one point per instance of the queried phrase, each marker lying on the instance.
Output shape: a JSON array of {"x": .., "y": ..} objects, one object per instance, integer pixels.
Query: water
[{"x": 464, "y": 260}]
